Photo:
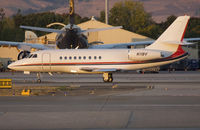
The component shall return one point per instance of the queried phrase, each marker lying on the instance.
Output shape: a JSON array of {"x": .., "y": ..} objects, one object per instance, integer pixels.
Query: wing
[
  {"x": 26, "y": 46},
  {"x": 42, "y": 29},
  {"x": 100, "y": 69},
  {"x": 120, "y": 45},
  {"x": 191, "y": 39},
  {"x": 100, "y": 29},
  {"x": 125, "y": 45}
]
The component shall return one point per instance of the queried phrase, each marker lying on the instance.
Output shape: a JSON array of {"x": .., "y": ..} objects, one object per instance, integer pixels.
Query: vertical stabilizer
[
  {"x": 30, "y": 37},
  {"x": 171, "y": 39}
]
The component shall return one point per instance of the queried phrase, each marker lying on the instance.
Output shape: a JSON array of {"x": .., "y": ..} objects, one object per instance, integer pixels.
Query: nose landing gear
[{"x": 38, "y": 78}]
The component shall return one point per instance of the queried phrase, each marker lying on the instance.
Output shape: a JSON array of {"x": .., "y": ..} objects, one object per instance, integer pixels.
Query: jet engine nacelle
[
  {"x": 23, "y": 54},
  {"x": 145, "y": 54}
]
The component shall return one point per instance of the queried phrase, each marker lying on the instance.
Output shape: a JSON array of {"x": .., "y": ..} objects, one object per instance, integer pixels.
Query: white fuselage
[{"x": 73, "y": 61}]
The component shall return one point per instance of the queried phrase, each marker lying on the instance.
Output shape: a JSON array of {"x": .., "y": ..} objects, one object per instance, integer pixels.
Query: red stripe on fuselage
[{"x": 86, "y": 63}]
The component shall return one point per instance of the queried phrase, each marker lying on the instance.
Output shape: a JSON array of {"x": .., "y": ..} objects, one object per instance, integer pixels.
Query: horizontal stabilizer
[
  {"x": 23, "y": 45},
  {"x": 192, "y": 39},
  {"x": 183, "y": 43},
  {"x": 120, "y": 45}
]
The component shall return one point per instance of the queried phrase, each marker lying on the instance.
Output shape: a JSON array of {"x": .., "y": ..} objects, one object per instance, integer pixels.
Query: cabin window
[
  {"x": 70, "y": 57},
  {"x": 65, "y": 58},
  {"x": 34, "y": 56},
  {"x": 100, "y": 57},
  {"x": 80, "y": 57},
  {"x": 84, "y": 57},
  {"x": 90, "y": 57},
  {"x": 74, "y": 57},
  {"x": 95, "y": 57},
  {"x": 60, "y": 57}
]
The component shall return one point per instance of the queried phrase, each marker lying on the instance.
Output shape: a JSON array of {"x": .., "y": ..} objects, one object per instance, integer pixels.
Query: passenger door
[{"x": 46, "y": 62}]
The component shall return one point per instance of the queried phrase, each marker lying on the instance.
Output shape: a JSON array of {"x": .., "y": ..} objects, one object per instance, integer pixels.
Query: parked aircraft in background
[
  {"x": 165, "y": 50},
  {"x": 70, "y": 36}
]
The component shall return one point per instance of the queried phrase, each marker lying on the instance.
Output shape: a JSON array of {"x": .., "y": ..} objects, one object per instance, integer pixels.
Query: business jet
[{"x": 165, "y": 50}]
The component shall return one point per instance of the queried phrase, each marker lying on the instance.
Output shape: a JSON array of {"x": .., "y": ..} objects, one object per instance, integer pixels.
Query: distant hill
[{"x": 160, "y": 9}]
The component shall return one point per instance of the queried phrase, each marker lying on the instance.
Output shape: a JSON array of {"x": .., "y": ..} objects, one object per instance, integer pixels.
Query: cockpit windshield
[{"x": 32, "y": 56}]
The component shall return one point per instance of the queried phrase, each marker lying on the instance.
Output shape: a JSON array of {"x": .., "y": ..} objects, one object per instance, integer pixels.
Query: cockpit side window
[{"x": 34, "y": 56}]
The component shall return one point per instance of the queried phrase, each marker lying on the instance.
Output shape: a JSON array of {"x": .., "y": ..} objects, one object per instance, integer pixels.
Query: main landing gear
[
  {"x": 107, "y": 77},
  {"x": 38, "y": 78}
]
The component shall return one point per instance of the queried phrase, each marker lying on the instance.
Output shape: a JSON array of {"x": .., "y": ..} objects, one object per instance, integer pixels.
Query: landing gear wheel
[
  {"x": 107, "y": 77},
  {"x": 105, "y": 80},
  {"x": 110, "y": 79}
]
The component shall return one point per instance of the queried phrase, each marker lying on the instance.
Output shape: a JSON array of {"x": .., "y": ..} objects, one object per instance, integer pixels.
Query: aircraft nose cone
[
  {"x": 13, "y": 66},
  {"x": 10, "y": 66}
]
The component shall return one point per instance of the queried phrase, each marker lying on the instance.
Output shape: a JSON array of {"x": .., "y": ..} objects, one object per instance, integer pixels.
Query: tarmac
[{"x": 134, "y": 101}]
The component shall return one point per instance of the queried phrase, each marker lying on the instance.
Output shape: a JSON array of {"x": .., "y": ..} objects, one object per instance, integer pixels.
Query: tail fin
[
  {"x": 172, "y": 38},
  {"x": 30, "y": 36}
]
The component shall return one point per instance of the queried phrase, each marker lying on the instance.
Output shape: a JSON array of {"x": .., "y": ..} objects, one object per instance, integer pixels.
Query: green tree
[
  {"x": 102, "y": 16},
  {"x": 2, "y": 14},
  {"x": 152, "y": 31},
  {"x": 193, "y": 29},
  {"x": 18, "y": 18},
  {"x": 8, "y": 29},
  {"x": 131, "y": 15},
  {"x": 164, "y": 25}
]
